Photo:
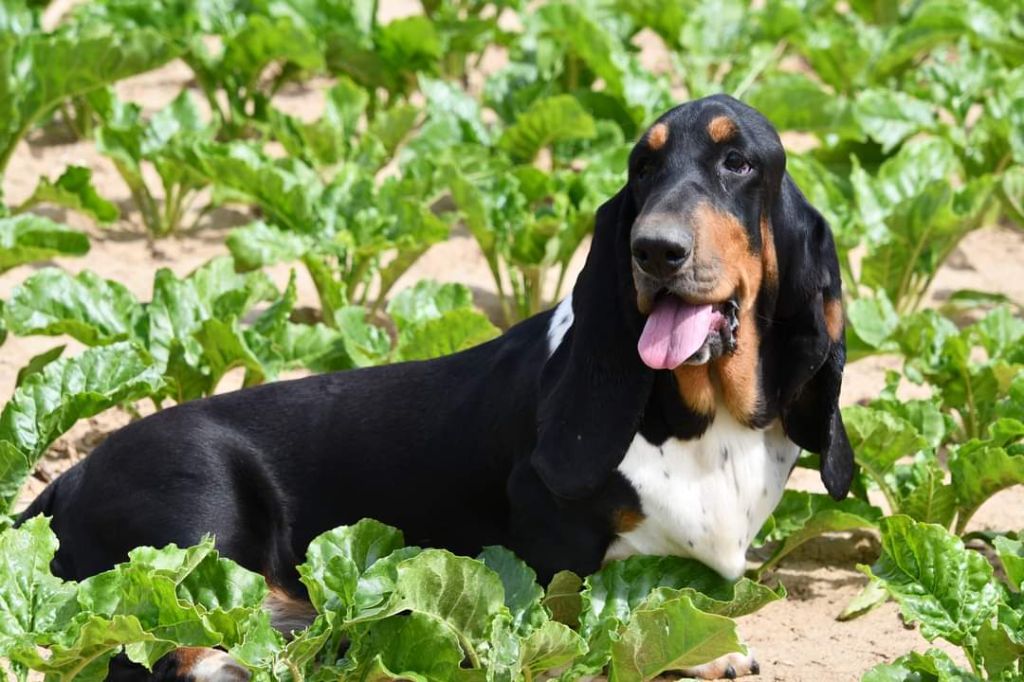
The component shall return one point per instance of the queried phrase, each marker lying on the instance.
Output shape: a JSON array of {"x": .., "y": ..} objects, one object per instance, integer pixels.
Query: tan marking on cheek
[
  {"x": 626, "y": 519},
  {"x": 834, "y": 319},
  {"x": 769, "y": 261},
  {"x": 657, "y": 136},
  {"x": 738, "y": 373},
  {"x": 721, "y": 129},
  {"x": 722, "y": 248},
  {"x": 726, "y": 247},
  {"x": 695, "y": 389}
]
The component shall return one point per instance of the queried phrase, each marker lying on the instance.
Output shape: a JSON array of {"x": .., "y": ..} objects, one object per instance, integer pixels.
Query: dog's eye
[{"x": 735, "y": 163}]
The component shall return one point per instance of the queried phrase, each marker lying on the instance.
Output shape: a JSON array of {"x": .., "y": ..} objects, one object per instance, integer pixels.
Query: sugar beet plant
[{"x": 912, "y": 116}]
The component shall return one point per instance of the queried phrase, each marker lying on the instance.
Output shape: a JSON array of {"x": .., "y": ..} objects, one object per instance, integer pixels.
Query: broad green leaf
[
  {"x": 48, "y": 68},
  {"x": 263, "y": 41},
  {"x": 879, "y": 439},
  {"x": 871, "y": 597},
  {"x": 932, "y": 24},
  {"x": 88, "y": 308},
  {"x": 792, "y": 101},
  {"x": 336, "y": 559},
  {"x": 92, "y": 642},
  {"x": 66, "y": 390},
  {"x": 932, "y": 500},
  {"x": 428, "y": 300},
  {"x": 446, "y": 100},
  {"x": 29, "y": 238},
  {"x": 31, "y": 599},
  {"x": 802, "y": 516},
  {"x": 414, "y": 647},
  {"x": 890, "y": 116},
  {"x": 37, "y": 363},
  {"x": 549, "y": 647},
  {"x": 522, "y": 593},
  {"x": 224, "y": 348},
  {"x": 1012, "y": 193},
  {"x": 452, "y": 332},
  {"x": 73, "y": 190},
  {"x": 563, "y": 599},
  {"x": 1011, "y": 554},
  {"x": 938, "y": 583},
  {"x": 288, "y": 191},
  {"x": 979, "y": 472},
  {"x": 673, "y": 635},
  {"x": 181, "y": 306},
  {"x": 873, "y": 321},
  {"x": 548, "y": 120},
  {"x": 999, "y": 648},
  {"x": 462, "y": 593},
  {"x": 365, "y": 343},
  {"x": 932, "y": 666},
  {"x": 610, "y": 596}
]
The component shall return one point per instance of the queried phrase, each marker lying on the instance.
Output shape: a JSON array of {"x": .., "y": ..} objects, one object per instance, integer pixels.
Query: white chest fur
[{"x": 706, "y": 498}]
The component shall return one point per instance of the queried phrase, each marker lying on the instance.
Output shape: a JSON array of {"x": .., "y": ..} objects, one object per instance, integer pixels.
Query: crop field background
[{"x": 199, "y": 195}]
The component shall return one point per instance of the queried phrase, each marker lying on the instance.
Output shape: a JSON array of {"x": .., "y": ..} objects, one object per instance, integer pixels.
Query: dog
[{"x": 657, "y": 409}]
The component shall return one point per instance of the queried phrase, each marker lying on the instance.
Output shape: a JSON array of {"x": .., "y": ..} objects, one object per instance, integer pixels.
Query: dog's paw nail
[
  {"x": 730, "y": 672},
  {"x": 755, "y": 668}
]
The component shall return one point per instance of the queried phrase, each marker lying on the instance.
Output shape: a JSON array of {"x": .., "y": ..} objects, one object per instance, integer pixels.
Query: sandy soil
[{"x": 797, "y": 640}]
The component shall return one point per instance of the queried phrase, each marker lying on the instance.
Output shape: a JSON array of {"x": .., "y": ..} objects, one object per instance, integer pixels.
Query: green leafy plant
[
  {"x": 404, "y": 612},
  {"x": 28, "y": 238},
  {"x": 132, "y": 143},
  {"x": 40, "y": 70},
  {"x": 73, "y": 190},
  {"x": 953, "y": 594},
  {"x": 181, "y": 344}
]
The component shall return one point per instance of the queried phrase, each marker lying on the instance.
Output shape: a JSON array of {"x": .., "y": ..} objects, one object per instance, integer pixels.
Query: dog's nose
[{"x": 662, "y": 257}]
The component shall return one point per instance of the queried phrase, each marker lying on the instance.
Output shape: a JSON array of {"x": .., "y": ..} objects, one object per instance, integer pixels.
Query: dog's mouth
[{"x": 678, "y": 332}]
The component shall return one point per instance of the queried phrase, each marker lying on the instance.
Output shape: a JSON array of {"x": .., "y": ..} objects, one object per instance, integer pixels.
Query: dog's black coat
[{"x": 499, "y": 444}]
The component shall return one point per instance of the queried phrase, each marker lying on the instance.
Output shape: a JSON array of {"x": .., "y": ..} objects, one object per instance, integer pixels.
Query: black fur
[{"x": 499, "y": 444}]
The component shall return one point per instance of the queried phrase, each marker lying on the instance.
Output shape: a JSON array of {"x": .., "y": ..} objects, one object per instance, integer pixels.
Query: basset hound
[{"x": 658, "y": 409}]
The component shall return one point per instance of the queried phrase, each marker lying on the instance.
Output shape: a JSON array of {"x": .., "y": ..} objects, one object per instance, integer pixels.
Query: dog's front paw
[{"x": 727, "y": 667}]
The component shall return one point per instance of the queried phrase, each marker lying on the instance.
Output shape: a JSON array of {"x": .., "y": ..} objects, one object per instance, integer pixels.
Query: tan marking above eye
[
  {"x": 721, "y": 129},
  {"x": 834, "y": 318},
  {"x": 657, "y": 136}
]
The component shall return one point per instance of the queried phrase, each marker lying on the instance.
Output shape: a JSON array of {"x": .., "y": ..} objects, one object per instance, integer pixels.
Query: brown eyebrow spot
[
  {"x": 721, "y": 128},
  {"x": 657, "y": 136},
  {"x": 834, "y": 318}
]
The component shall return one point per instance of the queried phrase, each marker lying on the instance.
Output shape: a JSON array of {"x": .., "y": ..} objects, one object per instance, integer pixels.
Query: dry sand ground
[{"x": 797, "y": 640}]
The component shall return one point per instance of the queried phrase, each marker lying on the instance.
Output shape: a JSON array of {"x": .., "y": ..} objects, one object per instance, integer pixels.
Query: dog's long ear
[
  {"x": 810, "y": 344},
  {"x": 594, "y": 388}
]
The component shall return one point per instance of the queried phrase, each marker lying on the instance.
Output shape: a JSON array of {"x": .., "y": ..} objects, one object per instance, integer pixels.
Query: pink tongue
[{"x": 674, "y": 331}]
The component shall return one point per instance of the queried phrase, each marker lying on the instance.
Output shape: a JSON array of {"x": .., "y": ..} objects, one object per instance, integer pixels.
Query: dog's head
[{"x": 709, "y": 265}]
